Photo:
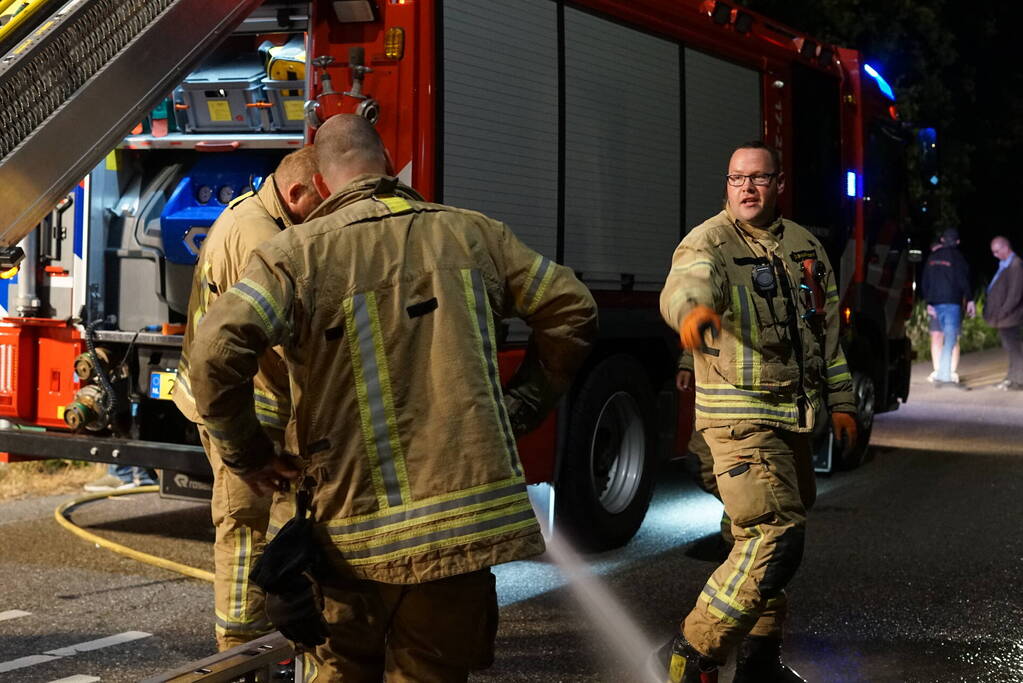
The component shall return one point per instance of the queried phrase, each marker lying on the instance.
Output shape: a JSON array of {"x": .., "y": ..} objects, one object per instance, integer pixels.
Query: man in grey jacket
[{"x": 1003, "y": 309}]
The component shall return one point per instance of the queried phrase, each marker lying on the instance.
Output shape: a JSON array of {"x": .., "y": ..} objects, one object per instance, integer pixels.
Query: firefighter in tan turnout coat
[
  {"x": 386, "y": 309},
  {"x": 755, "y": 299},
  {"x": 239, "y": 516}
]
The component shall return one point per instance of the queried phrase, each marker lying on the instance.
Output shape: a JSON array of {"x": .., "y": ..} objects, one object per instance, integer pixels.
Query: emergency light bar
[
  {"x": 850, "y": 183},
  {"x": 881, "y": 82}
]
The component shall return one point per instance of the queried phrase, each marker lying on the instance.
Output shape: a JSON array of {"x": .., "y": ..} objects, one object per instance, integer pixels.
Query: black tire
[
  {"x": 866, "y": 404},
  {"x": 607, "y": 474}
]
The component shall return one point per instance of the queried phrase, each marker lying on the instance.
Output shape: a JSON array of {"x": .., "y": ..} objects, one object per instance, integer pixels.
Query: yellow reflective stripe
[
  {"x": 204, "y": 283},
  {"x": 486, "y": 346},
  {"x": 265, "y": 296},
  {"x": 240, "y": 198},
  {"x": 457, "y": 540},
  {"x": 362, "y": 395},
  {"x": 542, "y": 289},
  {"x": 397, "y": 450},
  {"x": 310, "y": 672},
  {"x": 539, "y": 276},
  {"x": 257, "y": 306},
  {"x": 417, "y": 522},
  {"x": 394, "y": 204},
  {"x": 741, "y": 573},
  {"x": 413, "y": 506}
]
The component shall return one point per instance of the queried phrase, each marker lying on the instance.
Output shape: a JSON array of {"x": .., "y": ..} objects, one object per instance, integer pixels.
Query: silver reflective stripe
[
  {"x": 534, "y": 286},
  {"x": 375, "y": 398},
  {"x": 258, "y": 625},
  {"x": 483, "y": 320},
  {"x": 257, "y": 298},
  {"x": 747, "y": 410},
  {"x": 746, "y": 322},
  {"x": 401, "y": 516},
  {"x": 495, "y": 525},
  {"x": 243, "y": 541},
  {"x": 749, "y": 552},
  {"x": 729, "y": 391},
  {"x": 711, "y": 597},
  {"x": 836, "y": 370}
]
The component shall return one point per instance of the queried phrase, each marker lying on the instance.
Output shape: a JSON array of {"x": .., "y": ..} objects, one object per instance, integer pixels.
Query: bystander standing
[{"x": 1003, "y": 309}]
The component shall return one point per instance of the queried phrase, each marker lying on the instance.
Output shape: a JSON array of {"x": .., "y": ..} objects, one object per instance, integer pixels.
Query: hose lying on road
[{"x": 61, "y": 515}]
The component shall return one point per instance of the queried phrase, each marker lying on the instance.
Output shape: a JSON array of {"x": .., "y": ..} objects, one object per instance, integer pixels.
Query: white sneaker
[
  {"x": 955, "y": 377},
  {"x": 933, "y": 377},
  {"x": 108, "y": 482}
]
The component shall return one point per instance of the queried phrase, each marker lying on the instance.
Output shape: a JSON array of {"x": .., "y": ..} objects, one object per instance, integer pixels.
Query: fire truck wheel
[
  {"x": 607, "y": 475},
  {"x": 863, "y": 390}
]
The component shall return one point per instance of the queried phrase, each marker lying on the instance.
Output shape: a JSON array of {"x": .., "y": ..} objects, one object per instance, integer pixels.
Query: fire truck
[{"x": 599, "y": 130}]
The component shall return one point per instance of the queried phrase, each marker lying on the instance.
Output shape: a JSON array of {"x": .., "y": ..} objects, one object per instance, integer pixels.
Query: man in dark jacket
[
  {"x": 945, "y": 286},
  {"x": 1003, "y": 309}
]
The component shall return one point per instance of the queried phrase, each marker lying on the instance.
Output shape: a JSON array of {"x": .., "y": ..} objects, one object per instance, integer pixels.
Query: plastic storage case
[
  {"x": 225, "y": 97},
  {"x": 287, "y": 103}
]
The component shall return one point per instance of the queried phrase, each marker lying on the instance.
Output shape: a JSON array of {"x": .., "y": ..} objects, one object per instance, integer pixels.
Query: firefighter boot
[
  {"x": 685, "y": 664},
  {"x": 759, "y": 661}
]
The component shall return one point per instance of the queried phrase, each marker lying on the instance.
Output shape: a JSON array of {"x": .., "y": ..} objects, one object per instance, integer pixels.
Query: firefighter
[
  {"x": 240, "y": 517},
  {"x": 754, "y": 298},
  {"x": 385, "y": 307}
]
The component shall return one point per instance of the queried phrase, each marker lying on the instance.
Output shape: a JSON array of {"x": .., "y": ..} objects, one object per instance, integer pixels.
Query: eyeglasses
[{"x": 759, "y": 179}]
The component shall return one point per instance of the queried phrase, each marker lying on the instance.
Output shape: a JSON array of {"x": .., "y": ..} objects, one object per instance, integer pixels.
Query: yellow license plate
[{"x": 161, "y": 384}]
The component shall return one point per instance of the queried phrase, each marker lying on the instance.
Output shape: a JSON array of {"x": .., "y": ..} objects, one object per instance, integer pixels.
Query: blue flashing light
[
  {"x": 850, "y": 183},
  {"x": 934, "y": 180},
  {"x": 881, "y": 82}
]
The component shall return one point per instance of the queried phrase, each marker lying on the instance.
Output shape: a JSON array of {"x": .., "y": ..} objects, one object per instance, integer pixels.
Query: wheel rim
[
  {"x": 864, "y": 388},
  {"x": 617, "y": 452}
]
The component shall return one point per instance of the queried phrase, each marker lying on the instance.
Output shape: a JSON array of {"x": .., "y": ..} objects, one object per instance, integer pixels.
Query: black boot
[
  {"x": 759, "y": 661},
  {"x": 684, "y": 664}
]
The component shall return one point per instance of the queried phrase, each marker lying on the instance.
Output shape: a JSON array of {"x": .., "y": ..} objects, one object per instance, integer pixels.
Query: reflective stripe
[
  {"x": 182, "y": 382},
  {"x": 746, "y": 411},
  {"x": 376, "y": 404},
  {"x": 741, "y": 572},
  {"x": 493, "y": 495},
  {"x": 729, "y": 390},
  {"x": 395, "y": 205},
  {"x": 242, "y": 618},
  {"x": 274, "y": 420},
  {"x": 309, "y": 670},
  {"x": 480, "y": 526},
  {"x": 747, "y": 358},
  {"x": 479, "y": 308},
  {"x": 541, "y": 274},
  {"x": 232, "y": 429},
  {"x": 723, "y": 608},
  {"x": 204, "y": 284},
  {"x": 264, "y": 305},
  {"x": 838, "y": 372},
  {"x": 831, "y": 296}
]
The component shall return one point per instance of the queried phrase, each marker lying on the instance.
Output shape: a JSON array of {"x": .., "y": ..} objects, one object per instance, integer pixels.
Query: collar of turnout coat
[
  {"x": 271, "y": 200},
  {"x": 776, "y": 230},
  {"x": 363, "y": 187}
]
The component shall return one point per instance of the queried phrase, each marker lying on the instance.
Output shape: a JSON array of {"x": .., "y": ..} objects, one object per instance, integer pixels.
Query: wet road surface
[{"x": 911, "y": 571}]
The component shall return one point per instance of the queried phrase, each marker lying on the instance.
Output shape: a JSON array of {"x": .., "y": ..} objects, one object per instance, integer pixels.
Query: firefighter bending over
[
  {"x": 755, "y": 299},
  {"x": 239, "y": 516},
  {"x": 385, "y": 307}
]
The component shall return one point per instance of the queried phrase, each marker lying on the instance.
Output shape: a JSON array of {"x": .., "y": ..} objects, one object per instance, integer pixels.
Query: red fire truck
[{"x": 599, "y": 130}]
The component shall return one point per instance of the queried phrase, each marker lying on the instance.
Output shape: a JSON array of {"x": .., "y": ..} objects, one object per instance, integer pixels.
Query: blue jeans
[
  {"x": 130, "y": 473},
  {"x": 950, "y": 317}
]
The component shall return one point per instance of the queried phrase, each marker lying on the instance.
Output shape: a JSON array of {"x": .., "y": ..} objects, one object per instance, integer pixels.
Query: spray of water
[{"x": 621, "y": 633}]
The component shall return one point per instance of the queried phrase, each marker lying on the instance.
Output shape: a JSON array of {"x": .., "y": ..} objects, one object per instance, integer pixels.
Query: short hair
[
  {"x": 1000, "y": 239},
  {"x": 297, "y": 167},
  {"x": 759, "y": 144},
  {"x": 348, "y": 139}
]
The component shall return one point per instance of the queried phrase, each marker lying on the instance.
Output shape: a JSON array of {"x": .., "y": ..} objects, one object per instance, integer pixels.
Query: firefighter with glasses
[
  {"x": 754, "y": 297},
  {"x": 385, "y": 307},
  {"x": 239, "y": 516}
]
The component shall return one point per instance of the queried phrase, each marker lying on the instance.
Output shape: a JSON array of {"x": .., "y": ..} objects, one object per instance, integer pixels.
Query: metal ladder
[
  {"x": 72, "y": 89},
  {"x": 253, "y": 662}
]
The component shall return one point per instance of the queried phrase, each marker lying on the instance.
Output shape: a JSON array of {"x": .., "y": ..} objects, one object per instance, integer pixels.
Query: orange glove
[
  {"x": 844, "y": 426},
  {"x": 695, "y": 324}
]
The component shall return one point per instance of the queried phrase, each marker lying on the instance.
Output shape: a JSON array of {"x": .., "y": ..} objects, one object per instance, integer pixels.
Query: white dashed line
[
  {"x": 78, "y": 678},
  {"x": 88, "y": 646},
  {"x": 13, "y": 614}
]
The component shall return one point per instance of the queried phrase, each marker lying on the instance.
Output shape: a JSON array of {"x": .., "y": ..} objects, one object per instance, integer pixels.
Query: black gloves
[{"x": 297, "y": 612}]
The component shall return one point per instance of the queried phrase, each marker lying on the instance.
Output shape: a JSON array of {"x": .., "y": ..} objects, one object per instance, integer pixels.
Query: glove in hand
[
  {"x": 298, "y": 612},
  {"x": 695, "y": 324},
  {"x": 844, "y": 426}
]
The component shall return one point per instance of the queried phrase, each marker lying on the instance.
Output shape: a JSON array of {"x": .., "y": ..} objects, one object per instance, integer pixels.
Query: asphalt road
[{"x": 912, "y": 570}]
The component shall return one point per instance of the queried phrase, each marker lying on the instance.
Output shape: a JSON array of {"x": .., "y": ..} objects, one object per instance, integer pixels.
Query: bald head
[{"x": 346, "y": 146}]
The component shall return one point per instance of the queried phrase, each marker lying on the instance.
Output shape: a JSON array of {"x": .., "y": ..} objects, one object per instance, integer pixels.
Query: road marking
[
  {"x": 13, "y": 614},
  {"x": 78, "y": 678},
  {"x": 88, "y": 646},
  {"x": 22, "y": 662}
]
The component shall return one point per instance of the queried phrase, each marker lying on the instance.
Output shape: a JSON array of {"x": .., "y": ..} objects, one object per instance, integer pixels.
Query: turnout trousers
[
  {"x": 765, "y": 480},
  {"x": 240, "y": 518},
  {"x": 431, "y": 632}
]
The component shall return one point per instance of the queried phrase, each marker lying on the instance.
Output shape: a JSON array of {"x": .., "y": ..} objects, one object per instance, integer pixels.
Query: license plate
[{"x": 161, "y": 384}]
